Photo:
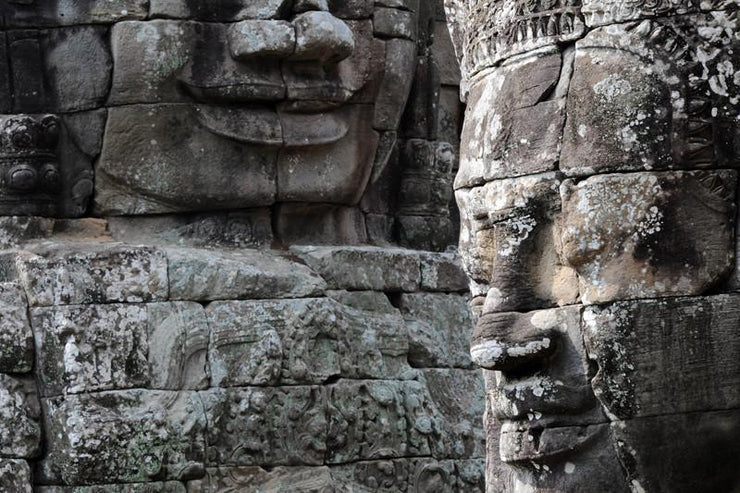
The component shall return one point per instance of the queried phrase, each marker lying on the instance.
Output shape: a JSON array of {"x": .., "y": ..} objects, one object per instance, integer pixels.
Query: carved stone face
[
  {"x": 214, "y": 105},
  {"x": 597, "y": 184}
]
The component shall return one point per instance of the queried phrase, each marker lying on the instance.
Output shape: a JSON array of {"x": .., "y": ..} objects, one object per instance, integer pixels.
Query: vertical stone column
[{"x": 597, "y": 190}]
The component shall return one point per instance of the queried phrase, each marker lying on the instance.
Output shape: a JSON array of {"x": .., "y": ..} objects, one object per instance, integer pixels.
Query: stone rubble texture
[
  {"x": 227, "y": 249},
  {"x": 598, "y": 194}
]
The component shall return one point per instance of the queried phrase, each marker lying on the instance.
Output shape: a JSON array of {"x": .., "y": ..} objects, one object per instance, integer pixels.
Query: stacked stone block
[{"x": 184, "y": 369}]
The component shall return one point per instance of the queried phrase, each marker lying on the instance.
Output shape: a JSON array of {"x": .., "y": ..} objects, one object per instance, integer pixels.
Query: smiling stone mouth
[
  {"x": 270, "y": 127},
  {"x": 522, "y": 443}
]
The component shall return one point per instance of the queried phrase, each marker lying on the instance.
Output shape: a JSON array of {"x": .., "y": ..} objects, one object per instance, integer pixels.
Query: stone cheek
[
  {"x": 646, "y": 235},
  {"x": 653, "y": 355}
]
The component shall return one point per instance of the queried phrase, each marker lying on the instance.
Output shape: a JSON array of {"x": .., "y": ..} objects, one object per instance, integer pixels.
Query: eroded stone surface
[
  {"x": 302, "y": 341},
  {"x": 148, "y": 435},
  {"x": 649, "y": 352},
  {"x": 77, "y": 273},
  {"x": 16, "y": 355},
  {"x": 379, "y": 269},
  {"x": 86, "y": 348},
  {"x": 204, "y": 275}
]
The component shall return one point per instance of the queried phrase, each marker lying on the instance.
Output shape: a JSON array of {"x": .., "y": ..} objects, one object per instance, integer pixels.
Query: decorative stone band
[
  {"x": 30, "y": 181},
  {"x": 506, "y": 28},
  {"x": 603, "y": 12}
]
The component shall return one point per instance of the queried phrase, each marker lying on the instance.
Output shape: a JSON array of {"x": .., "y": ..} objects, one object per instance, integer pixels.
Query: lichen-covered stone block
[
  {"x": 440, "y": 329},
  {"x": 459, "y": 397},
  {"x": 127, "y": 436},
  {"x": 16, "y": 338},
  {"x": 86, "y": 348},
  {"x": 676, "y": 355},
  {"x": 15, "y": 476},
  {"x": 302, "y": 341},
  {"x": 514, "y": 121},
  {"x": 374, "y": 419},
  {"x": 68, "y": 274},
  {"x": 20, "y": 431},
  {"x": 356, "y": 268},
  {"x": 154, "y": 487},
  {"x": 177, "y": 336},
  {"x": 646, "y": 235},
  {"x": 266, "y": 426},
  {"x": 442, "y": 272},
  {"x": 205, "y": 275},
  {"x": 255, "y": 478}
]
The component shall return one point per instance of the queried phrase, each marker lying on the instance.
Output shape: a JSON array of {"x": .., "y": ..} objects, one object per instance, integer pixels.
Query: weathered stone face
[{"x": 597, "y": 169}]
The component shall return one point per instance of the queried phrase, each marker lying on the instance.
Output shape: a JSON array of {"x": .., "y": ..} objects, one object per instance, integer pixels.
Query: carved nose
[
  {"x": 311, "y": 36},
  {"x": 321, "y": 36},
  {"x": 507, "y": 341}
]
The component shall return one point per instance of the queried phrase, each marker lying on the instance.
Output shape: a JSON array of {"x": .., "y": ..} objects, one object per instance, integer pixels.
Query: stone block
[
  {"x": 444, "y": 54},
  {"x": 75, "y": 273},
  {"x": 440, "y": 329},
  {"x": 514, "y": 121},
  {"x": 178, "y": 336},
  {"x": 242, "y": 229},
  {"x": 459, "y": 397},
  {"x": 15, "y": 476},
  {"x": 17, "y": 230},
  {"x": 357, "y": 268},
  {"x": 87, "y": 348},
  {"x": 205, "y": 275},
  {"x": 394, "y": 23},
  {"x": 380, "y": 419},
  {"x": 20, "y": 431},
  {"x": 71, "y": 85},
  {"x": 71, "y": 12},
  {"x": 431, "y": 233},
  {"x": 442, "y": 272},
  {"x": 450, "y": 116},
  {"x": 352, "y": 9},
  {"x": 317, "y": 224},
  {"x": 16, "y": 338},
  {"x": 678, "y": 226},
  {"x": 255, "y": 478},
  {"x": 262, "y": 38},
  {"x": 218, "y": 10},
  {"x": 400, "y": 61},
  {"x": 653, "y": 462},
  {"x": 397, "y": 475},
  {"x": 154, "y": 487},
  {"x": 266, "y": 426},
  {"x": 302, "y": 341},
  {"x": 655, "y": 357},
  {"x": 319, "y": 36},
  {"x": 148, "y": 170},
  {"x": 127, "y": 436}
]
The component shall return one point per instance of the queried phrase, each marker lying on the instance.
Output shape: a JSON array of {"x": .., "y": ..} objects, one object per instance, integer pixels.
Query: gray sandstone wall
[{"x": 227, "y": 249}]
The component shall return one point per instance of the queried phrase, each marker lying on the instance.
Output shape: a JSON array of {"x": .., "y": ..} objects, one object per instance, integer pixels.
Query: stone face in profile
[
  {"x": 221, "y": 225},
  {"x": 598, "y": 157}
]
